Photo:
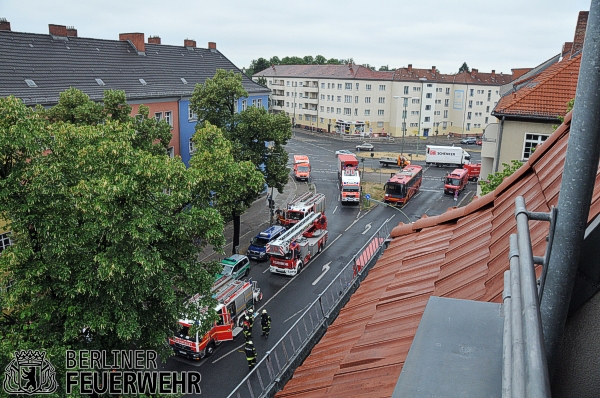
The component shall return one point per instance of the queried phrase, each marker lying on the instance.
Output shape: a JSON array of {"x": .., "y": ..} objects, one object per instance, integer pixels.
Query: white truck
[{"x": 446, "y": 156}]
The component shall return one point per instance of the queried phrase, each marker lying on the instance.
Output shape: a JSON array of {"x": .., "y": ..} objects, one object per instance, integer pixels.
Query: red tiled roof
[
  {"x": 460, "y": 254},
  {"x": 545, "y": 94}
]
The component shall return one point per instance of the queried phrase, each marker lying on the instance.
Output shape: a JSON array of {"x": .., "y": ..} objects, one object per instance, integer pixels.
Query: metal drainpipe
[
  {"x": 581, "y": 165},
  {"x": 498, "y": 145}
]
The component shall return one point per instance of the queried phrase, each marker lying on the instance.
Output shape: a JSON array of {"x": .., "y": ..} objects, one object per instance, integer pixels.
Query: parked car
[
  {"x": 237, "y": 266},
  {"x": 343, "y": 152},
  {"x": 478, "y": 142},
  {"x": 469, "y": 141},
  {"x": 258, "y": 247},
  {"x": 365, "y": 146}
]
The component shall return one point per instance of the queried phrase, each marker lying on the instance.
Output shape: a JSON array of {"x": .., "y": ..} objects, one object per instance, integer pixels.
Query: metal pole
[
  {"x": 404, "y": 123},
  {"x": 516, "y": 327},
  {"x": 581, "y": 165}
]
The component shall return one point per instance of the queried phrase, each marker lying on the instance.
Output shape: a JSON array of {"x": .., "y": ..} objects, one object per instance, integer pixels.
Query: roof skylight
[
  {"x": 100, "y": 82},
  {"x": 30, "y": 83},
  {"x": 183, "y": 80},
  {"x": 143, "y": 81}
]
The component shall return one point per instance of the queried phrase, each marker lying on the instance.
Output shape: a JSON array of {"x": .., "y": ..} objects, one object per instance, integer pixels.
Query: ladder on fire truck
[
  {"x": 306, "y": 200},
  {"x": 282, "y": 245},
  {"x": 227, "y": 293}
]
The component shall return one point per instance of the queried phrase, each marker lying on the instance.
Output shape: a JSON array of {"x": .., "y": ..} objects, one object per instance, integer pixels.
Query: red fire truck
[
  {"x": 297, "y": 246},
  {"x": 301, "y": 167},
  {"x": 309, "y": 202},
  {"x": 403, "y": 185},
  {"x": 456, "y": 181},
  {"x": 233, "y": 299},
  {"x": 474, "y": 170},
  {"x": 349, "y": 177}
]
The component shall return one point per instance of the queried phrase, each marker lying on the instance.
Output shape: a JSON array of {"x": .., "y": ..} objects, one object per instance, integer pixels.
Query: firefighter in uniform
[
  {"x": 265, "y": 321},
  {"x": 247, "y": 330},
  {"x": 250, "y": 318},
  {"x": 250, "y": 354}
]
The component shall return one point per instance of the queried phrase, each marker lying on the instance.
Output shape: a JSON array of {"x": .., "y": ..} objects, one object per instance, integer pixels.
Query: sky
[{"x": 487, "y": 35}]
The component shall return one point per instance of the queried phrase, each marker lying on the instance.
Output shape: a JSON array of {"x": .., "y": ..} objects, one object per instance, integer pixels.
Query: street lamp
[
  {"x": 437, "y": 126},
  {"x": 403, "y": 118}
]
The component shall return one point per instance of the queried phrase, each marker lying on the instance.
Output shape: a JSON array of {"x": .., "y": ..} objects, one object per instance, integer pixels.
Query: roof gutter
[{"x": 526, "y": 118}]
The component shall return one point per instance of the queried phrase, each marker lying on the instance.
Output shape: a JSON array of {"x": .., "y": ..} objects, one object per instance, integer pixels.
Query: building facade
[{"x": 354, "y": 99}]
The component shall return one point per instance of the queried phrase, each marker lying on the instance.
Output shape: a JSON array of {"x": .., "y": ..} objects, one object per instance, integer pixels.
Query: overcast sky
[{"x": 488, "y": 35}]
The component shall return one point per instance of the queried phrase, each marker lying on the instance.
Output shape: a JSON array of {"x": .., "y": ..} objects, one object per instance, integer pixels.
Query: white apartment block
[{"x": 352, "y": 98}]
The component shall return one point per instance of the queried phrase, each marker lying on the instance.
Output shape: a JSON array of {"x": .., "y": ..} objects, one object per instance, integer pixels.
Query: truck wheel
[
  {"x": 299, "y": 267},
  {"x": 320, "y": 249},
  {"x": 210, "y": 349},
  {"x": 247, "y": 272}
]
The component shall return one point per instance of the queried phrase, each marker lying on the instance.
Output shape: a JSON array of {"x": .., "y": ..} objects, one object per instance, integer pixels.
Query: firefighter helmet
[{"x": 264, "y": 311}]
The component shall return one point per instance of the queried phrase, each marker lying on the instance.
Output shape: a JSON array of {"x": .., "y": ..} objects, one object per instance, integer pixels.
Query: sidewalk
[{"x": 255, "y": 219}]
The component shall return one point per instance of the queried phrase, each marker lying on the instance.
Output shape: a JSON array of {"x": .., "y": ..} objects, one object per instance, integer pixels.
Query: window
[
  {"x": 191, "y": 114},
  {"x": 382, "y": 87},
  {"x": 348, "y": 86},
  {"x": 380, "y": 112},
  {"x": 347, "y": 98},
  {"x": 468, "y": 115},
  {"x": 259, "y": 102},
  {"x": 447, "y": 90},
  {"x": 328, "y": 98},
  {"x": 301, "y": 84},
  {"x": 299, "y": 117},
  {"x": 367, "y": 100},
  {"x": 416, "y": 89},
  {"x": 300, "y": 105},
  {"x": 405, "y": 89},
  {"x": 288, "y": 83},
  {"x": 489, "y": 95},
  {"x": 414, "y": 113},
  {"x": 445, "y": 114},
  {"x": 339, "y": 86},
  {"x": 192, "y": 147},
  {"x": 382, "y": 100},
  {"x": 322, "y": 120},
  {"x": 470, "y": 104},
  {"x": 416, "y": 100},
  {"x": 438, "y": 102},
  {"x": 471, "y": 91},
  {"x": 287, "y": 104},
  {"x": 338, "y": 110},
  {"x": 468, "y": 126},
  {"x": 322, "y": 109},
  {"x": 339, "y": 98},
  {"x": 487, "y": 109},
  {"x": 368, "y": 87},
  {"x": 254, "y": 103},
  {"x": 357, "y": 86},
  {"x": 158, "y": 116},
  {"x": 244, "y": 105},
  {"x": 171, "y": 152},
  {"x": 428, "y": 95},
  {"x": 486, "y": 120},
  {"x": 355, "y": 111},
  {"x": 444, "y": 125},
  {"x": 446, "y": 102},
  {"x": 347, "y": 111},
  {"x": 168, "y": 118},
  {"x": 322, "y": 96},
  {"x": 379, "y": 124},
  {"x": 414, "y": 125},
  {"x": 300, "y": 95},
  {"x": 322, "y": 85},
  {"x": 427, "y": 107},
  {"x": 436, "y": 113},
  {"x": 367, "y": 112},
  {"x": 314, "y": 119},
  {"x": 429, "y": 85},
  {"x": 531, "y": 142},
  {"x": 438, "y": 90},
  {"x": 427, "y": 119},
  {"x": 4, "y": 241},
  {"x": 356, "y": 99},
  {"x": 328, "y": 85}
]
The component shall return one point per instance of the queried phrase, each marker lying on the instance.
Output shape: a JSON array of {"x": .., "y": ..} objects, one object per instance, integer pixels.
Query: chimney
[
  {"x": 474, "y": 71},
  {"x": 212, "y": 45},
  {"x": 136, "y": 39},
  {"x": 433, "y": 70},
  {"x": 71, "y": 31},
  {"x": 154, "y": 40},
  {"x": 189, "y": 43},
  {"x": 57, "y": 30},
  {"x": 580, "y": 31},
  {"x": 4, "y": 24},
  {"x": 409, "y": 68},
  {"x": 566, "y": 49},
  {"x": 493, "y": 73}
]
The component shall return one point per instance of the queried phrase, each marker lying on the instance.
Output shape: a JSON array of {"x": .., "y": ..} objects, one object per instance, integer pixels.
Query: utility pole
[{"x": 405, "y": 98}]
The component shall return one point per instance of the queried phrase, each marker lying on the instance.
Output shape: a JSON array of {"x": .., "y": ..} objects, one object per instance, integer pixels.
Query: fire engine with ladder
[
  {"x": 297, "y": 246},
  {"x": 309, "y": 202},
  {"x": 234, "y": 298}
]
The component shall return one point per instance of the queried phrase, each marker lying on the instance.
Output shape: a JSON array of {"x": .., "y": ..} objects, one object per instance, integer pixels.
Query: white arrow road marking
[
  {"x": 325, "y": 269},
  {"x": 367, "y": 227}
]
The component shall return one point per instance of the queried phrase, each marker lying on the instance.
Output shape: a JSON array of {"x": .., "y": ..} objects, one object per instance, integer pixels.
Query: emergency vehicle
[
  {"x": 233, "y": 300},
  {"x": 456, "y": 181},
  {"x": 474, "y": 171},
  {"x": 349, "y": 179},
  {"x": 258, "y": 247},
  {"x": 309, "y": 202},
  {"x": 301, "y": 167},
  {"x": 298, "y": 245}
]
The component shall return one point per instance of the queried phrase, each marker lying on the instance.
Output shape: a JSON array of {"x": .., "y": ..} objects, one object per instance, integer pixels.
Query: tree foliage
[
  {"x": 570, "y": 106},
  {"x": 261, "y": 64},
  {"x": 106, "y": 228},
  {"x": 464, "y": 68},
  {"x": 495, "y": 179}
]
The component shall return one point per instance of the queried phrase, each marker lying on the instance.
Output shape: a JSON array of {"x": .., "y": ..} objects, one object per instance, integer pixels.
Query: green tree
[
  {"x": 320, "y": 60},
  {"x": 274, "y": 60},
  {"x": 464, "y": 68},
  {"x": 308, "y": 59},
  {"x": 333, "y": 61},
  {"x": 106, "y": 235},
  {"x": 570, "y": 106},
  {"x": 262, "y": 81},
  {"x": 384, "y": 68},
  {"x": 496, "y": 178}
]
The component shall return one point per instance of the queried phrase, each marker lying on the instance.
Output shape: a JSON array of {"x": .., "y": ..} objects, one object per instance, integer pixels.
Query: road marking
[
  {"x": 334, "y": 210},
  {"x": 353, "y": 222},
  {"x": 367, "y": 228},
  {"x": 232, "y": 351},
  {"x": 188, "y": 362},
  {"x": 325, "y": 269},
  {"x": 389, "y": 219},
  {"x": 303, "y": 309}
]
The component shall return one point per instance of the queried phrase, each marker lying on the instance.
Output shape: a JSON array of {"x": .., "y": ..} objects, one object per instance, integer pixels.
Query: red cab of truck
[
  {"x": 456, "y": 181},
  {"x": 473, "y": 170},
  {"x": 345, "y": 162},
  {"x": 301, "y": 167}
]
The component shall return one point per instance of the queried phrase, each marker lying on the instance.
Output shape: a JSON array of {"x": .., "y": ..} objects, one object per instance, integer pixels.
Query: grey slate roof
[{"x": 55, "y": 64}]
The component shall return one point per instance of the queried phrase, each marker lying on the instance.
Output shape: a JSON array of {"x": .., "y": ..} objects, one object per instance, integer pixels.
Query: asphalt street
[{"x": 286, "y": 298}]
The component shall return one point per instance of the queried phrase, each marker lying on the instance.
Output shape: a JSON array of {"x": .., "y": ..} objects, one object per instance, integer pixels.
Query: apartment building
[{"x": 351, "y": 98}]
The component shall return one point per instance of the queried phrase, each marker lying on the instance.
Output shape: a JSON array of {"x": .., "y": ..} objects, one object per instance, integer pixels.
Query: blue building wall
[{"x": 187, "y": 126}]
